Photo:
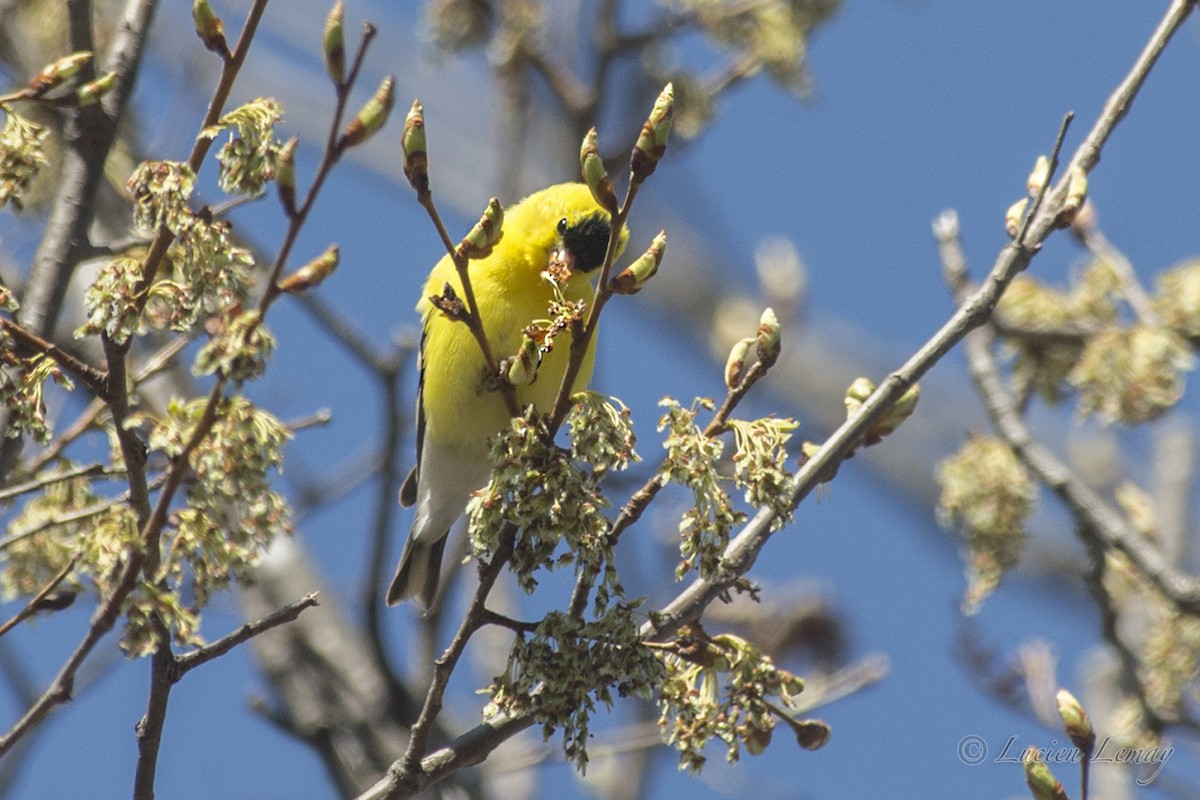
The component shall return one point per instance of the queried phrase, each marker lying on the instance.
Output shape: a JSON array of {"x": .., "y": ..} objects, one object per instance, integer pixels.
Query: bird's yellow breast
[{"x": 459, "y": 407}]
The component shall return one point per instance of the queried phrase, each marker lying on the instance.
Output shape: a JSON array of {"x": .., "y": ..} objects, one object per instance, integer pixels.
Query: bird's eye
[{"x": 562, "y": 226}]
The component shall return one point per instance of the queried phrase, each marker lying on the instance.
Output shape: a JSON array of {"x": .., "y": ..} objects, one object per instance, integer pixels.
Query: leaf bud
[
  {"x": 594, "y": 173},
  {"x": 1041, "y": 781},
  {"x": 857, "y": 394},
  {"x": 1039, "y": 176},
  {"x": 1014, "y": 216},
  {"x": 486, "y": 233},
  {"x": 901, "y": 410},
  {"x": 652, "y": 141},
  {"x": 55, "y": 73},
  {"x": 333, "y": 43},
  {"x": 92, "y": 91},
  {"x": 1077, "y": 187},
  {"x": 768, "y": 338},
  {"x": 735, "y": 365},
  {"x": 416, "y": 159},
  {"x": 634, "y": 277},
  {"x": 1076, "y": 723},
  {"x": 371, "y": 117},
  {"x": 209, "y": 28},
  {"x": 523, "y": 367},
  {"x": 285, "y": 175},
  {"x": 312, "y": 273}
]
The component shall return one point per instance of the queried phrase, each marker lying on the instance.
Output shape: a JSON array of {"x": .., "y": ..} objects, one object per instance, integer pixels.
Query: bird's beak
[{"x": 562, "y": 263}]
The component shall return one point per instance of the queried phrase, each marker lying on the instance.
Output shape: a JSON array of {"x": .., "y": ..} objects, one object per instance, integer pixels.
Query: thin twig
[
  {"x": 581, "y": 341},
  {"x": 186, "y": 662},
  {"x": 84, "y": 422},
  {"x": 37, "y": 484},
  {"x": 411, "y": 762},
  {"x": 515, "y": 625},
  {"x": 472, "y": 320},
  {"x": 1098, "y": 519},
  {"x": 1039, "y": 197},
  {"x": 331, "y": 155},
  {"x": 36, "y": 604},
  {"x": 341, "y": 331},
  {"x": 385, "y": 510},
  {"x": 1139, "y": 299},
  {"x": 27, "y": 340},
  {"x": 640, "y": 500}
]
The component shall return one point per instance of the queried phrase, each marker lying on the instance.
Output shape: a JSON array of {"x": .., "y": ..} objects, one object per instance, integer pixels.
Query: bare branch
[{"x": 185, "y": 662}]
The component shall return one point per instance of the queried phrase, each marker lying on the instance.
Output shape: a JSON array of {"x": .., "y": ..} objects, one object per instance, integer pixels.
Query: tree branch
[
  {"x": 973, "y": 313},
  {"x": 406, "y": 776},
  {"x": 90, "y": 132},
  {"x": 186, "y": 662},
  {"x": 29, "y": 341},
  {"x": 1100, "y": 523}
]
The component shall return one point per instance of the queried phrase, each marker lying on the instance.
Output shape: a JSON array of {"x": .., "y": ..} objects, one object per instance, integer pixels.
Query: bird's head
[{"x": 567, "y": 223}]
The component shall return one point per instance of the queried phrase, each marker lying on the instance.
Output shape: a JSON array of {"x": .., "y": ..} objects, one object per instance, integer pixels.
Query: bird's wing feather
[{"x": 408, "y": 490}]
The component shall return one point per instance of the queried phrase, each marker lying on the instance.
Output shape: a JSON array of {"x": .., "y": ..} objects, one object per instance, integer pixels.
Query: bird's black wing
[{"x": 408, "y": 490}]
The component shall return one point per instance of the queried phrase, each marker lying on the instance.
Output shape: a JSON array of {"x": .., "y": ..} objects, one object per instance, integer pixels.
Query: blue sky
[{"x": 920, "y": 105}]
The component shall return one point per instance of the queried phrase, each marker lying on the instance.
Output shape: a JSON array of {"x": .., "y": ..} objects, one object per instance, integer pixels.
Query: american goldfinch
[{"x": 456, "y": 411}]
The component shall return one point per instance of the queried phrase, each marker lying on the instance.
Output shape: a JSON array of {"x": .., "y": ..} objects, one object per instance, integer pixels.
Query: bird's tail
[{"x": 418, "y": 572}]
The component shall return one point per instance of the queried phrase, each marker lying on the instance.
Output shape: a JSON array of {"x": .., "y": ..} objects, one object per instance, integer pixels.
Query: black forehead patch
[{"x": 587, "y": 239}]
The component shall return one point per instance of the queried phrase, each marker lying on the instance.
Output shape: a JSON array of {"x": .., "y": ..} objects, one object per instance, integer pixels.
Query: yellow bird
[{"x": 456, "y": 412}]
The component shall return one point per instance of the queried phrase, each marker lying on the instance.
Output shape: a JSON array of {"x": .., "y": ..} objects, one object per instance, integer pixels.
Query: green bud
[
  {"x": 209, "y": 27},
  {"x": 735, "y": 365},
  {"x": 858, "y": 391},
  {"x": 767, "y": 338},
  {"x": 55, "y": 73},
  {"x": 634, "y": 277},
  {"x": 371, "y": 117},
  {"x": 285, "y": 175},
  {"x": 857, "y": 394},
  {"x": 901, "y": 410},
  {"x": 416, "y": 159},
  {"x": 594, "y": 174},
  {"x": 333, "y": 42},
  {"x": 1014, "y": 216},
  {"x": 1077, "y": 187},
  {"x": 523, "y": 367},
  {"x": 1038, "y": 177},
  {"x": 486, "y": 233},
  {"x": 92, "y": 91},
  {"x": 312, "y": 273},
  {"x": 652, "y": 141},
  {"x": 1076, "y": 723},
  {"x": 1041, "y": 781}
]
